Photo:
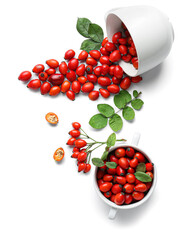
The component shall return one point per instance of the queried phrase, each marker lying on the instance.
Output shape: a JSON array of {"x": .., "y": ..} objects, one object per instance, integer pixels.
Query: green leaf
[
  {"x": 89, "y": 45},
  {"x": 82, "y": 26},
  {"x": 98, "y": 121},
  {"x": 106, "y": 110},
  {"x": 135, "y": 93},
  {"x": 137, "y": 104},
  {"x": 141, "y": 167},
  {"x": 104, "y": 156},
  {"x": 111, "y": 140},
  {"x": 122, "y": 99},
  {"x": 111, "y": 164},
  {"x": 98, "y": 162},
  {"x": 143, "y": 177},
  {"x": 115, "y": 122},
  {"x": 128, "y": 113},
  {"x": 96, "y": 32}
]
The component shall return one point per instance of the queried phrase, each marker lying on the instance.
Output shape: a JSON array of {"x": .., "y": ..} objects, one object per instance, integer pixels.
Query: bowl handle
[
  {"x": 112, "y": 213},
  {"x": 135, "y": 139}
]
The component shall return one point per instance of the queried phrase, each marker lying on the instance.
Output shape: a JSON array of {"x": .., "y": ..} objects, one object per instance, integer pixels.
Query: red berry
[
  {"x": 119, "y": 198},
  {"x": 52, "y": 63},
  {"x": 69, "y": 54},
  {"x": 87, "y": 168},
  {"x": 104, "y": 51},
  {"x": 128, "y": 198},
  {"x": 123, "y": 49},
  {"x": 131, "y": 170},
  {"x": 94, "y": 95},
  {"x": 100, "y": 173},
  {"x": 71, "y": 75},
  {"x": 149, "y": 167},
  {"x": 138, "y": 196},
  {"x": 34, "y": 84},
  {"x": 43, "y": 76},
  {"x": 82, "y": 156},
  {"x": 65, "y": 86},
  {"x": 76, "y": 125},
  {"x": 71, "y": 141},
  {"x": 116, "y": 80},
  {"x": 76, "y": 86},
  {"x": 132, "y": 51},
  {"x": 80, "y": 143},
  {"x": 107, "y": 178},
  {"x": 136, "y": 79},
  {"x": 108, "y": 194},
  {"x": 125, "y": 83},
  {"x": 95, "y": 54},
  {"x": 82, "y": 79},
  {"x": 109, "y": 46},
  {"x": 105, "y": 187},
  {"x": 74, "y": 133},
  {"x": 75, "y": 155},
  {"x": 104, "y": 69},
  {"x": 83, "y": 55},
  {"x": 115, "y": 56},
  {"x": 38, "y": 68},
  {"x": 104, "y": 93},
  {"x": 116, "y": 188},
  {"x": 104, "y": 81},
  {"x": 134, "y": 163},
  {"x": 150, "y": 174},
  {"x": 56, "y": 79},
  {"x": 118, "y": 71},
  {"x": 128, "y": 188},
  {"x": 92, "y": 78},
  {"x": 116, "y": 37},
  {"x": 113, "y": 88},
  {"x": 130, "y": 178},
  {"x": 45, "y": 88},
  {"x": 25, "y": 76},
  {"x": 70, "y": 94},
  {"x": 126, "y": 58},
  {"x": 114, "y": 159},
  {"x": 54, "y": 91},
  {"x": 111, "y": 70},
  {"x": 123, "y": 162},
  {"x": 141, "y": 187},
  {"x": 105, "y": 60},
  {"x": 120, "y": 179},
  {"x": 122, "y": 41},
  {"x": 139, "y": 157},
  {"x": 105, "y": 40},
  {"x": 81, "y": 167},
  {"x": 88, "y": 87},
  {"x": 80, "y": 71},
  {"x": 50, "y": 71},
  {"x": 91, "y": 61},
  {"x": 89, "y": 69},
  {"x": 130, "y": 152},
  {"x": 120, "y": 171},
  {"x": 73, "y": 64},
  {"x": 120, "y": 152},
  {"x": 75, "y": 149}
]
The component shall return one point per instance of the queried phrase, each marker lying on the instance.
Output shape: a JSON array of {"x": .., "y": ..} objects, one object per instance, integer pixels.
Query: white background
[{"x": 40, "y": 199}]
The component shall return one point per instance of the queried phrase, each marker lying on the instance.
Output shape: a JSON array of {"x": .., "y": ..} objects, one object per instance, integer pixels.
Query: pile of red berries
[
  {"x": 79, "y": 152},
  {"x": 82, "y": 73},
  {"x": 120, "y": 185}
]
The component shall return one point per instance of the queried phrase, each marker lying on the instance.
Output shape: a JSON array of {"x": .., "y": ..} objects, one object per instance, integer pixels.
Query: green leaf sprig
[
  {"x": 107, "y": 112},
  {"x": 92, "y": 31},
  {"x": 93, "y": 144}
]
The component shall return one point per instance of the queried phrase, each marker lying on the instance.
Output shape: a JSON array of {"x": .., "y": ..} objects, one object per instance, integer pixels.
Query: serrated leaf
[
  {"x": 82, "y": 26},
  {"x": 96, "y": 32},
  {"x": 111, "y": 140},
  {"x": 115, "y": 122},
  {"x": 122, "y": 99},
  {"x": 111, "y": 164},
  {"x": 143, "y": 177},
  {"x": 135, "y": 93},
  {"x": 104, "y": 156},
  {"x": 98, "y": 121},
  {"x": 128, "y": 113},
  {"x": 106, "y": 110},
  {"x": 141, "y": 167},
  {"x": 98, "y": 162},
  {"x": 89, "y": 45},
  {"x": 137, "y": 104}
]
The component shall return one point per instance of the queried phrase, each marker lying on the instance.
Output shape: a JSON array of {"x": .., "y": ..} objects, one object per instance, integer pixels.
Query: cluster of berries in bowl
[
  {"x": 130, "y": 181},
  {"x": 82, "y": 74}
]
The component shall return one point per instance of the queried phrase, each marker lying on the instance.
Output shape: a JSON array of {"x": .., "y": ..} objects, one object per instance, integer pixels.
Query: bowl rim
[{"x": 130, "y": 206}]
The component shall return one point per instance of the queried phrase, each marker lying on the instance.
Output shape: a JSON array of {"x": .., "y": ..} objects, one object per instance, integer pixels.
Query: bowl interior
[{"x": 136, "y": 204}]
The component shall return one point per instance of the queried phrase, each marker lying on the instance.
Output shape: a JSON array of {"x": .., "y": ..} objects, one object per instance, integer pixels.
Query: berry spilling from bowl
[
  {"x": 130, "y": 181},
  {"x": 91, "y": 67}
]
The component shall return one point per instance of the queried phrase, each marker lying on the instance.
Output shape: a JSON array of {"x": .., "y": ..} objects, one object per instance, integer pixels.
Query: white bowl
[
  {"x": 151, "y": 31},
  {"x": 114, "y": 207}
]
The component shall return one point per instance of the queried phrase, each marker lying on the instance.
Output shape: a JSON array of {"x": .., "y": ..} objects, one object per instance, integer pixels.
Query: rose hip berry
[
  {"x": 38, "y": 68},
  {"x": 94, "y": 95},
  {"x": 69, "y": 54},
  {"x": 52, "y": 63},
  {"x": 25, "y": 76},
  {"x": 45, "y": 88},
  {"x": 34, "y": 84}
]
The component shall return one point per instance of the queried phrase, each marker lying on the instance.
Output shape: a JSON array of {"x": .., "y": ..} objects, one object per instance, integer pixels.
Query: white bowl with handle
[
  {"x": 151, "y": 31},
  {"x": 114, "y": 207}
]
